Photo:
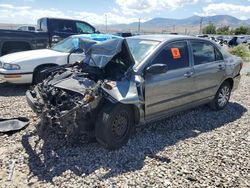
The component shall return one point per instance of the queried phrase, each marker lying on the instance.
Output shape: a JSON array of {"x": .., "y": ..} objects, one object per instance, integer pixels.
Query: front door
[{"x": 174, "y": 88}]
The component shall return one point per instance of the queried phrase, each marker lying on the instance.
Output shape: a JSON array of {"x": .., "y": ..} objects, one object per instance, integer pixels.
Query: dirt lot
[{"x": 197, "y": 148}]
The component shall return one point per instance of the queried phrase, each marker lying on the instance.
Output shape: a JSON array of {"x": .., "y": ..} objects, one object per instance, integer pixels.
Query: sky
[{"x": 118, "y": 11}]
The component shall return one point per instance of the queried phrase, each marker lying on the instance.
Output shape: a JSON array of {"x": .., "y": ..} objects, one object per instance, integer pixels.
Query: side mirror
[
  {"x": 157, "y": 69},
  {"x": 55, "y": 39}
]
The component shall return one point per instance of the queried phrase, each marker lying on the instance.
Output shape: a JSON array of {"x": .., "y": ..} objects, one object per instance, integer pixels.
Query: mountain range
[{"x": 174, "y": 25}]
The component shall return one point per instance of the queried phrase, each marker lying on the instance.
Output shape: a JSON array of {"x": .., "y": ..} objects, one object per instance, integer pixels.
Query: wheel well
[
  {"x": 230, "y": 81},
  {"x": 42, "y": 66},
  {"x": 14, "y": 46},
  {"x": 136, "y": 113},
  {"x": 134, "y": 110}
]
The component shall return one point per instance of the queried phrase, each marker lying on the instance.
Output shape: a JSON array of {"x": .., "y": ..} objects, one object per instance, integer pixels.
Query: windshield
[
  {"x": 67, "y": 45},
  {"x": 141, "y": 48}
]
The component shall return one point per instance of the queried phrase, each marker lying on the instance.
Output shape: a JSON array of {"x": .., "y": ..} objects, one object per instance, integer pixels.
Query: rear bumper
[{"x": 236, "y": 82}]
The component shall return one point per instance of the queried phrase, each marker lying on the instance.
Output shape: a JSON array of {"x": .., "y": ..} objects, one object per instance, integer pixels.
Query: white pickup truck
[{"x": 26, "y": 67}]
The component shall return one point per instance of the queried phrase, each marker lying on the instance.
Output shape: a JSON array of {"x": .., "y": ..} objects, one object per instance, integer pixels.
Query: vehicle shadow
[
  {"x": 52, "y": 156},
  {"x": 15, "y": 90}
]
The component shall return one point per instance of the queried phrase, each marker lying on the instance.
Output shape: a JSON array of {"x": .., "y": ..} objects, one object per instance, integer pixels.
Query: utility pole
[
  {"x": 106, "y": 23},
  {"x": 139, "y": 26},
  {"x": 201, "y": 25}
]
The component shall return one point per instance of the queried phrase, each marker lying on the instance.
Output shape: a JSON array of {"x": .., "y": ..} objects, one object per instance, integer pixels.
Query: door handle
[{"x": 188, "y": 74}]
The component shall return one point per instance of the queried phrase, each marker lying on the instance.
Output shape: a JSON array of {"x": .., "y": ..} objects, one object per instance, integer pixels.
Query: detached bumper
[{"x": 236, "y": 82}]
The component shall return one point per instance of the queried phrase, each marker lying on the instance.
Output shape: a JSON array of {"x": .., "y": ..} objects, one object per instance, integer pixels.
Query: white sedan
[{"x": 26, "y": 67}]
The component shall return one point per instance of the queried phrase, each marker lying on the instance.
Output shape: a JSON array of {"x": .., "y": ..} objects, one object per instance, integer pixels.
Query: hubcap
[
  {"x": 120, "y": 125},
  {"x": 224, "y": 96}
]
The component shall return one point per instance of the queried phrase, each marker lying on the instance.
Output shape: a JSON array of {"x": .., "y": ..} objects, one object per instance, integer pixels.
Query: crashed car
[{"x": 126, "y": 82}]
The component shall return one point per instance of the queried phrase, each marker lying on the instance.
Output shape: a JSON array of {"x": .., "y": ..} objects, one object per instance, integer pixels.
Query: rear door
[
  {"x": 209, "y": 68},
  {"x": 174, "y": 88}
]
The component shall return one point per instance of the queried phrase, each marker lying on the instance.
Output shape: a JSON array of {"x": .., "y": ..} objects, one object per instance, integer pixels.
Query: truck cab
[
  {"x": 59, "y": 29},
  {"x": 49, "y": 31}
]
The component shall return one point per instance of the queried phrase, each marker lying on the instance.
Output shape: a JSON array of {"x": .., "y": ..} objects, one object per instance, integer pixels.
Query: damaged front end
[
  {"x": 69, "y": 103},
  {"x": 72, "y": 96}
]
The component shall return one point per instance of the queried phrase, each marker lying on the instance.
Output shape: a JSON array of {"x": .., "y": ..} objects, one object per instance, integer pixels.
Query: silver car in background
[{"x": 126, "y": 82}]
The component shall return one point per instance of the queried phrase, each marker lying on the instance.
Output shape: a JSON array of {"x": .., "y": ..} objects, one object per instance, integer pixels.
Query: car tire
[
  {"x": 114, "y": 126},
  {"x": 38, "y": 77},
  {"x": 222, "y": 97}
]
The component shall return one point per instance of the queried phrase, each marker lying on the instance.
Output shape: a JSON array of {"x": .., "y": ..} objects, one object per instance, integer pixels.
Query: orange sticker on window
[{"x": 176, "y": 53}]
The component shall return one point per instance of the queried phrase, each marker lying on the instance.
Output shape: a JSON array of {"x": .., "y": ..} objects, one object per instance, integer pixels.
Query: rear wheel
[
  {"x": 114, "y": 126},
  {"x": 222, "y": 97}
]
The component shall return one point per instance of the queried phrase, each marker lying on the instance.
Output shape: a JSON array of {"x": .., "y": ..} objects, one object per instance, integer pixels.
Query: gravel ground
[{"x": 197, "y": 148}]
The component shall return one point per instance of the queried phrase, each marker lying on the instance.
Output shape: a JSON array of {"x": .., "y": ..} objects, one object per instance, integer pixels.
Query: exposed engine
[{"x": 72, "y": 95}]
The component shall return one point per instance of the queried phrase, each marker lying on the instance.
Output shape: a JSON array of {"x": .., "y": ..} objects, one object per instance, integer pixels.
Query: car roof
[{"x": 164, "y": 37}]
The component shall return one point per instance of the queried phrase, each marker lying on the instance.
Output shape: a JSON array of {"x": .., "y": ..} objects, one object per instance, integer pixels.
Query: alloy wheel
[{"x": 224, "y": 96}]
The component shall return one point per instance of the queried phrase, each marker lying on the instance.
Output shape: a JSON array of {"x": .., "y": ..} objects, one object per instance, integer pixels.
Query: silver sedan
[{"x": 132, "y": 81}]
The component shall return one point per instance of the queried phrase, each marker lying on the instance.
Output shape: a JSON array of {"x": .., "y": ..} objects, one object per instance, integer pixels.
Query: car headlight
[{"x": 9, "y": 66}]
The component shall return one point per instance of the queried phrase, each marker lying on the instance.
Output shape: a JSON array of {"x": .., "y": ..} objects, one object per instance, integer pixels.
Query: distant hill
[{"x": 190, "y": 24}]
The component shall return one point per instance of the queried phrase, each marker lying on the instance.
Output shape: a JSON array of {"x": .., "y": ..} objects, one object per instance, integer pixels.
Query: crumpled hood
[
  {"x": 123, "y": 91},
  {"x": 100, "y": 54},
  {"x": 29, "y": 55},
  {"x": 76, "y": 85}
]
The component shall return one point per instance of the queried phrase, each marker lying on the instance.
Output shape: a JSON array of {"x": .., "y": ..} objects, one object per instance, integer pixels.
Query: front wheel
[
  {"x": 114, "y": 126},
  {"x": 222, "y": 97}
]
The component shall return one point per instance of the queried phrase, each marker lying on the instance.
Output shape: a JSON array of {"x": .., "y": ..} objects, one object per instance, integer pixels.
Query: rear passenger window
[
  {"x": 218, "y": 55},
  {"x": 65, "y": 26},
  {"x": 205, "y": 53},
  {"x": 175, "y": 55}
]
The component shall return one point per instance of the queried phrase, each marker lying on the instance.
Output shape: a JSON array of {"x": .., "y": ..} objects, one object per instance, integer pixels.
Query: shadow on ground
[
  {"x": 55, "y": 156},
  {"x": 15, "y": 90}
]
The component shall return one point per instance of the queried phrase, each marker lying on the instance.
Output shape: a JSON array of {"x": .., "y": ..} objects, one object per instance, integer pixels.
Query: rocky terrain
[{"x": 196, "y": 148}]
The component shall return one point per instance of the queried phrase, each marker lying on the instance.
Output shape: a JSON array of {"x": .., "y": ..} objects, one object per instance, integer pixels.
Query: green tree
[
  {"x": 225, "y": 30},
  {"x": 209, "y": 29},
  {"x": 242, "y": 30}
]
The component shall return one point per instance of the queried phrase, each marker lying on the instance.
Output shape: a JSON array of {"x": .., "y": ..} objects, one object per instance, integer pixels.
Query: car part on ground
[{"x": 13, "y": 124}]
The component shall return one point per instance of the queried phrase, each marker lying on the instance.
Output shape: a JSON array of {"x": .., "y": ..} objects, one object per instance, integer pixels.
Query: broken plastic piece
[{"x": 13, "y": 124}]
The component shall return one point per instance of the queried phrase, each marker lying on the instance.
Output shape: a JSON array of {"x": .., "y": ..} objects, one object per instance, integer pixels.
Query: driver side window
[{"x": 175, "y": 55}]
